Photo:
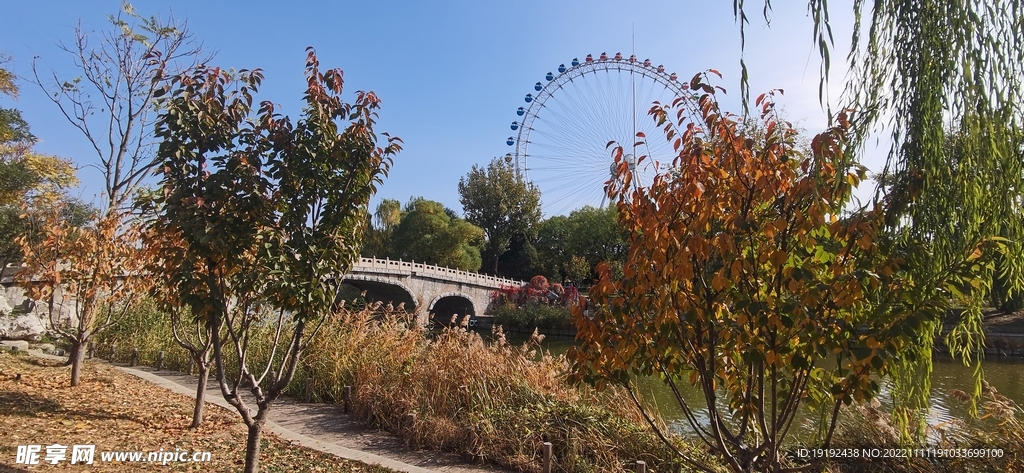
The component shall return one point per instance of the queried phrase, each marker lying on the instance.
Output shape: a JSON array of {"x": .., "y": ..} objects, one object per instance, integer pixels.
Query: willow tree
[
  {"x": 430, "y": 233},
  {"x": 379, "y": 228},
  {"x": 944, "y": 79}
]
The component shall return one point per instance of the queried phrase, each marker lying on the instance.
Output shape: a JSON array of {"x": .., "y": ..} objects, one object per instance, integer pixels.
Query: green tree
[
  {"x": 500, "y": 201},
  {"x": 521, "y": 261},
  {"x": 269, "y": 211},
  {"x": 13, "y": 128},
  {"x": 597, "y": 237},
  {"x": 428, "y": 233},
  {"x": 590, "y": 235},
  {"x": 552, "y": 245}
]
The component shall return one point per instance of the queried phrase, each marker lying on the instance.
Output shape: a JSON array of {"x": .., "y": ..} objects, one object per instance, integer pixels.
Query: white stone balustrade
[{"x": 427, "y": 270}]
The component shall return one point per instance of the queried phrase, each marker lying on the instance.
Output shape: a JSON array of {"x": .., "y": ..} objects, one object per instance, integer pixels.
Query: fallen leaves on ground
[{"x": 117, "y": 412}]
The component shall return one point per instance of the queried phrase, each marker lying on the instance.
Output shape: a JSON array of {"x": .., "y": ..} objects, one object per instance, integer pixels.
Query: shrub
[
  {"x": 530, "y": 316},
  {"x": 537, "y": 291}
]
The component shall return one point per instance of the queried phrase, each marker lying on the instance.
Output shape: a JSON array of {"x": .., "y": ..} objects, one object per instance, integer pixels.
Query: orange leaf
[{"x": 778, "y": 258}]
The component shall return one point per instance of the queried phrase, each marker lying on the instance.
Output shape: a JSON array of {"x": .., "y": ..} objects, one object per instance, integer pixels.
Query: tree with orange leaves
[
  {"x": 745, "y": 279},
  {"x": 93, "y": 270}
]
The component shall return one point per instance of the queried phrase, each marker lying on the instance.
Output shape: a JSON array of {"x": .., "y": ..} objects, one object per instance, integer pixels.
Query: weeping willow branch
[{"x": 943, "y": 78}]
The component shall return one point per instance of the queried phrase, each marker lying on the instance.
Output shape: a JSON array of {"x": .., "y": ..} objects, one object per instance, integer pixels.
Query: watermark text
[{"x": 87, "y": 455}]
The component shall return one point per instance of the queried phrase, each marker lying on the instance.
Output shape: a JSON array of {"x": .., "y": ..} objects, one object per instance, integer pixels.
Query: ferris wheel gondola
[{"x": 563, "y": 132}]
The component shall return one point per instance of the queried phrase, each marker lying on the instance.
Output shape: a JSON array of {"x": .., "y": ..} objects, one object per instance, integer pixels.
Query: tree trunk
[
  {"x": 252, "y": 446},
  {"x": 76, "y": 358},
  {"x": 71, "y": 357},
  {"x": 197, "y": 413}
]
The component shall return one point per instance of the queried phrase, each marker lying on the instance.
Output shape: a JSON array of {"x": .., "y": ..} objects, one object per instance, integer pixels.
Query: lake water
[{"x": 1005, "y": 375}]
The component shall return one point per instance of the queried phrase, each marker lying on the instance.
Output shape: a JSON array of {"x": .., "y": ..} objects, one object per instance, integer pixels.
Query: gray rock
[
  {"x": 15, "y": 298},
  {"x": 28, "y": 319},
  {"x": 21, "y": 327},
  {"x": 5, "y": 308},
  {"x": 46, "y": 348},
  {"x": 6, "y": 345}
]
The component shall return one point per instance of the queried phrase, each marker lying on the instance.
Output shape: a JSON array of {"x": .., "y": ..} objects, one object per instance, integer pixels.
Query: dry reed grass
[{"x": 492, "y": 402}]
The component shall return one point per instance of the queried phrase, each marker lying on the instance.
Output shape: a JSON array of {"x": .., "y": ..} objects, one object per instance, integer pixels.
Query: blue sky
[{"x": 450, "y": 74}]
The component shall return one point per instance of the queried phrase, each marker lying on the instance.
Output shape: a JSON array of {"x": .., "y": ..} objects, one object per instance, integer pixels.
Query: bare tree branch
[{"x": 113, "y": 103}]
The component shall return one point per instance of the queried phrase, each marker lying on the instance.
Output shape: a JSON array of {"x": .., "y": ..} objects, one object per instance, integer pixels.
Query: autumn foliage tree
[
  {"x": 93, "y": 271},
  {"x": 72, "y": 261},
  {"x": 270, "y": 212},
  {"x": 166, "y": 259},
  {"x": 745, "y": 279},
  {"x": 29, "y": 181}
]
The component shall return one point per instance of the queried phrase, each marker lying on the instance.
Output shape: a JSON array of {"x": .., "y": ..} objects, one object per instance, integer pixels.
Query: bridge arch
[
  {"x": 444, "y": 305},
  {"x": 383, "y": 289}
]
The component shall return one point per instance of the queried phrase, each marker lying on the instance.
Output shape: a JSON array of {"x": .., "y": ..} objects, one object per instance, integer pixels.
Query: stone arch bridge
[{"x": 427, "y": 290}]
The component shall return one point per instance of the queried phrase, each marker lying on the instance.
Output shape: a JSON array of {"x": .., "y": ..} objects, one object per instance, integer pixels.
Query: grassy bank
[{"x": 491, "y": 401}]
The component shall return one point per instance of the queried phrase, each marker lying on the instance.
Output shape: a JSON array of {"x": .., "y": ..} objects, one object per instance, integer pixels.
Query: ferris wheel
[{"x": 569, "y": 119}]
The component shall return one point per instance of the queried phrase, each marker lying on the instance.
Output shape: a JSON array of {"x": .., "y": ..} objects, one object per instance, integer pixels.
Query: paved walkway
[{"x": 322, "y": 427}]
